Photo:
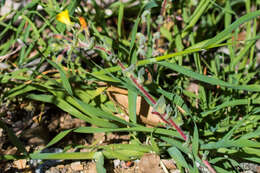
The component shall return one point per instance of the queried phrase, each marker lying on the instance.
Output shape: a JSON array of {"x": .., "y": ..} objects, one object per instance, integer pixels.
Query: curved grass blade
[
  {"x": 65, "y": 106},
  {"x": 231, "y": 104},
  {"x": 196, "y": 16},
  {"x": 230, "y": 143},
  {"x": 178, "y": 157},
  {"x": 130, "y": 129},
  {"x": 65, "y": 81},
  {"x": 207, "y": 79},
  {"x": 35, "y": 30},
  {"x": 58, "y": 137},
  {"x": 177, "y": 144},
  {"x": 120, "y": 19},
  {"x": 232, "y": 27},
  {"x": 159, "y": 58},
  {"x": 91, "y": 110}
]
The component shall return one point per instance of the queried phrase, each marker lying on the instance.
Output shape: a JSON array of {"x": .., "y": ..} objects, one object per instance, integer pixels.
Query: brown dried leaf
[{"x": 120, "y": 97}]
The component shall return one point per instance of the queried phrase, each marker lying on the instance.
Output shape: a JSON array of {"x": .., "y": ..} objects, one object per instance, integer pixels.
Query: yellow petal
[{"x": 64, "y": 17}]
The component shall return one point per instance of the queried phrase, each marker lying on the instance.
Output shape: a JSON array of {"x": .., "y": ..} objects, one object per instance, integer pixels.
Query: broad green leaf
[{"x": 167, "y": 34}]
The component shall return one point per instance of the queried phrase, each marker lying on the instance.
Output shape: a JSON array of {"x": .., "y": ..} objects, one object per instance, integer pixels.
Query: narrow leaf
[{"x": 64, "y": 79}]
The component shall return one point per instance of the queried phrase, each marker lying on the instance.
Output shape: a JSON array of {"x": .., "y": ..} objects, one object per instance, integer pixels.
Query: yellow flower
[{"x": 64, "y": 17}]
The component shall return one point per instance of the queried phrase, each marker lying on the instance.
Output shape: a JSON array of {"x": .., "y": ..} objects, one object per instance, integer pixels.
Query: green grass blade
[
  {"x": 230, "y": 143},
  {"x": 102, "y": 114},
  {"x": 196, "y": 16},
  {"x": 132, "y": 98},
  {"x": 65, "y": 106},
  {"x": 253, "y": 134},
  {"x": 226, "y": 33},
  {"x": 63, "y": 156},
  {"x": 242, "y": 54},
  {"x": 21, "y": 89},
  {"x": 120, "y": 19},
  {"x": 240, "y": 123},
  {"x": 178, "y": 157},
  {"x": 195, "y": 141},
  {"x": 177, "y": 144},
  {"x": 133, "y": 37},
  {"x": 65, "y": 81},
  {"x": 98, "y": 156},
  {"x": 130, "y": 129},
  {"x": 35, "y": 31},
  {"x": 111, "y": 154},
  {"x": 231, "y": 103},
  {"x": 160, "y": 58},
  {"x": 58, "y": 137},
  {"x": 207, "y": 79}
]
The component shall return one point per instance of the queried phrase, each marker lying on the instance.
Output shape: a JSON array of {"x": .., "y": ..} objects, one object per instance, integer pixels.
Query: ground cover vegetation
[{"x": 179, "y": 79}]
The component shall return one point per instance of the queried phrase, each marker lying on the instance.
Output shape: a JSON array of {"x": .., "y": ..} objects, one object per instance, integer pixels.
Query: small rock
[
  {"x": 90, "y": 168},
  {"x": 60, "y": 166},
  {"x": 76, "y": 166},
  {"x": 53, "y": 170},
  {"x": 20, "y": 164}
]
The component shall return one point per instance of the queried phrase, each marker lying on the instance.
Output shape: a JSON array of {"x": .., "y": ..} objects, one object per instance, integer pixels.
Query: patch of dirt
[{"x": 150, "y": 163}]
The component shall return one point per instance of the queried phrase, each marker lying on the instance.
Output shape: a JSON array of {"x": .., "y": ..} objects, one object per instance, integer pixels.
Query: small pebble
[{"x": 77, "y": 166}]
